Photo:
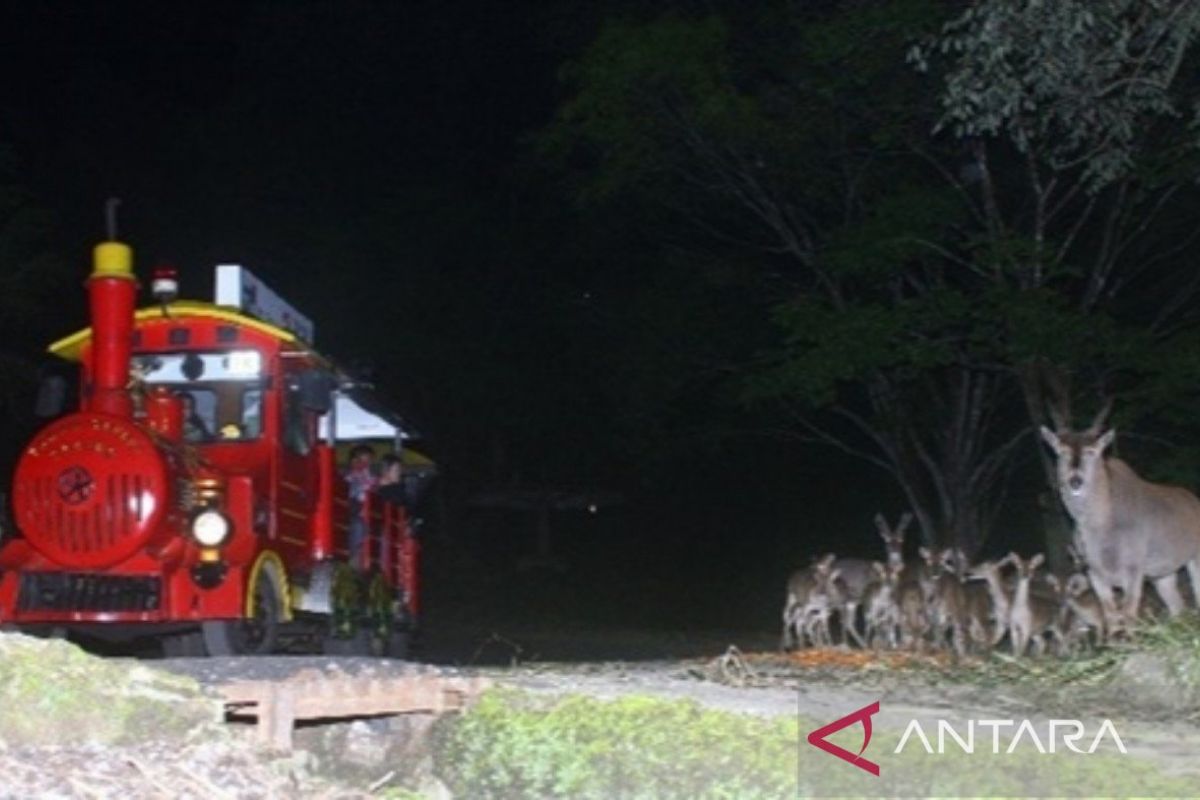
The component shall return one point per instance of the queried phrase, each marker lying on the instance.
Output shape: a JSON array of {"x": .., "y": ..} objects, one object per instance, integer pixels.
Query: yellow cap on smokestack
[{"x": 112, "y": 260}]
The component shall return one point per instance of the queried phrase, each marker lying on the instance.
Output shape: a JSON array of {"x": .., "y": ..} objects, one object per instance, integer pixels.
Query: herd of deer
[{"x": 1127, "y": 530}]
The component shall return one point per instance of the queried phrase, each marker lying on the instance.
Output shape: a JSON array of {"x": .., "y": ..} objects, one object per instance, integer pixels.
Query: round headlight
[{"x": 210, "y": 528}]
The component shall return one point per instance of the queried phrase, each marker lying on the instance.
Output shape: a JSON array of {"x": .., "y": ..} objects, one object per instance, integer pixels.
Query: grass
[{"x": 515, "y": 745}]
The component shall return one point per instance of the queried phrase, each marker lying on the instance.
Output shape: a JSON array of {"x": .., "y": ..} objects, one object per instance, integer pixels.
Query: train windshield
[{"x": 222, "y": 392}]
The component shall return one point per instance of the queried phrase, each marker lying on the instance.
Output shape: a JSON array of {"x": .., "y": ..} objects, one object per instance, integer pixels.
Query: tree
[
  {"x": 1078, "y": 167},
  {"x": 32, "y": 274},
  {"x": 786, "y": 157}
]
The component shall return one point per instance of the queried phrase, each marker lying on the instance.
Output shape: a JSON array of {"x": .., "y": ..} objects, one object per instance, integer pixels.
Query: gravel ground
[
  {"x": 757, "y": 683},
  {"x": 155, "y": 771}
]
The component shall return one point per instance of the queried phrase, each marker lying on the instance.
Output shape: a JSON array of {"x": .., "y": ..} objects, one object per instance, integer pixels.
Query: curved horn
[
  {"x": 1101, "y": 416},
  {"x": 1057, "y": 418}
]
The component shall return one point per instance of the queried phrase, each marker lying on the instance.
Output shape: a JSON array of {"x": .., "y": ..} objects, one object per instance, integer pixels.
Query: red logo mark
[
  {"x": 818, "y": 738},
  {"x": 75, "y": 485}
]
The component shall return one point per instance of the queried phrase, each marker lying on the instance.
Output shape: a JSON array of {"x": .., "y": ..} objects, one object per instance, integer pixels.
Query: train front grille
[{"x": 81, "y": 591}]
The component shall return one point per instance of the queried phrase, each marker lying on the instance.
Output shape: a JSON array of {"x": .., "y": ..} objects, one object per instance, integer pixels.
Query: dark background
[{"x": 373, "y": 163}]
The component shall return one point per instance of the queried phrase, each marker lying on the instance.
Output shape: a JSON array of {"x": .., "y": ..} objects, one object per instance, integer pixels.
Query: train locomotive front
[{"x": 227, "y": 542}]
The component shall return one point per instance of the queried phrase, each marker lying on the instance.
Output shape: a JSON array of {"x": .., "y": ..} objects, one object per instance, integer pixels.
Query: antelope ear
[
  {"x": 1050, "y": 437},
  {"x": 1106, "y": 439},
  {"x": 828, "y": 560},
  {"x": 1054, "y": 584},
  {"x": 905, "y": 520},
  {"x": 1036, "y": 561},
  {"x": 924, "y": 553},
  {"x": 879, "y": 567}
]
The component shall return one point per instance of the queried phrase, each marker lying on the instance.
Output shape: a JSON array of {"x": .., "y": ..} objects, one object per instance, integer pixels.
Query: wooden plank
[{"x": 277, "y": 706}]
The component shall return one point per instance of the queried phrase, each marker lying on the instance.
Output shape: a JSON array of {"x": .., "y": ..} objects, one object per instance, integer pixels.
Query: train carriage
[{"x": 194, "y": 494}]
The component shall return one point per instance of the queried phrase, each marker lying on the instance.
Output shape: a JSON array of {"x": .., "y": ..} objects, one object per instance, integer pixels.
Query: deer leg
[
  {"x": 1108, "y": 604},
  {"x": 788, "y": 639},
  {"x": 1193, "y": 568},
  {"x": 1168, "y": 589},
  {"x": 850, "y": 623},
  {"x": 958, "y": 637},
  {"x": 1133, "y": 594}
]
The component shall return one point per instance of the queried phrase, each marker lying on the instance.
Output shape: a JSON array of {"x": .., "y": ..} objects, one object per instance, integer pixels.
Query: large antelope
[{"x": 1128, "y": 529}]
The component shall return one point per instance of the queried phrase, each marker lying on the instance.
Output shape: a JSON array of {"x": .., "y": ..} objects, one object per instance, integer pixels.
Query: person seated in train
[
  {"x": 399, "y": 488},
  {"x": 360, "y": 479},
  {"x": 194, "y": 429}
]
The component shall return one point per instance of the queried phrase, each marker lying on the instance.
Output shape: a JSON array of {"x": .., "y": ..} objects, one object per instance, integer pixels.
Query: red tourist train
[{"x": 195, "y": 494}]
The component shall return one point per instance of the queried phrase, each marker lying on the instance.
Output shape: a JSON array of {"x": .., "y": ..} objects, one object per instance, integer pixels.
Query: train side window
[
  {"x": 297, "y": 434},
  {"x": 252, "y": 413}
]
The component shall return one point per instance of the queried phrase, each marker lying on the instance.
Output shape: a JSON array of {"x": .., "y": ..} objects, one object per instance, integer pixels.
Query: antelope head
[
  {"x": 1026, "y": 569},
  {"x": 893, "y": 540},
  {"x": 1080, "y": 453}
]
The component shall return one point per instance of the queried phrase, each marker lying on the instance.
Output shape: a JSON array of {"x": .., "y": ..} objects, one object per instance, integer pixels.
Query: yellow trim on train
[{"x": 71, "y": 347}]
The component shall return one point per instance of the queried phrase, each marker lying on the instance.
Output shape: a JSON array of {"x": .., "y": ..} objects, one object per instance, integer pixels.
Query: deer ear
[
  {"x": 905, "y": 520},
  {"x": 879, "y": 567},
  {"x": 1106, "y": 439},
  {"x": 828, "y": 560},
  {"x": 1052, "y": 580},
  {"x": 925, "y": 553},
  {"x": 1036, "y": 561},
  {"x": 1050, "y": 437}
]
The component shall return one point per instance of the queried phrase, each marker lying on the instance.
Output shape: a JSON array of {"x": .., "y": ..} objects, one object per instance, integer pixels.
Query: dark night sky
[
  {"x": 354, "y": 155},
  {"x": 349, "y": 153},
  {"x": 253, "y": 131}
]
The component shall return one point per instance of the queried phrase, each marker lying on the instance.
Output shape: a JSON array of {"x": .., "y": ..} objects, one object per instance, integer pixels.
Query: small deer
[
  {"x": 807, "y": 605},
  {"x": 1083, "y": 617},
  {"x": 945, "y": 601},
  {"x": 800, "y": 585},
  {"x": 1032, "y": 617},
  {"x": 879, "y": 606},
  {"x": 827, "y": 596},
  {"x": 1128, "y": 529},
  {"x": 1001, "y": 599}
]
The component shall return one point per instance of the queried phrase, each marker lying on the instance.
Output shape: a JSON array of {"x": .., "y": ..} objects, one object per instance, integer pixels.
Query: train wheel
[{"x": 253, "y": 636}]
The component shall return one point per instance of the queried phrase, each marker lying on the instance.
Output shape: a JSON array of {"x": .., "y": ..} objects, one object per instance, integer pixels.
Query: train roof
[
  {"x": 71, "y": 347},
  {"x": 359, "y": 413}
]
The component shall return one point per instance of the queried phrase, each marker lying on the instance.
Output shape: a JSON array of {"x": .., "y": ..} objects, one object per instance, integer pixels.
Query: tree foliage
[
  {"x": 1074, "y": 84},
  {"x": 940, "y": 251}
]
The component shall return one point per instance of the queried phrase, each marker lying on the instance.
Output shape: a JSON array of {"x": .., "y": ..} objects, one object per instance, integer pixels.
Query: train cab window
[{"x": 225, "y": 390}]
